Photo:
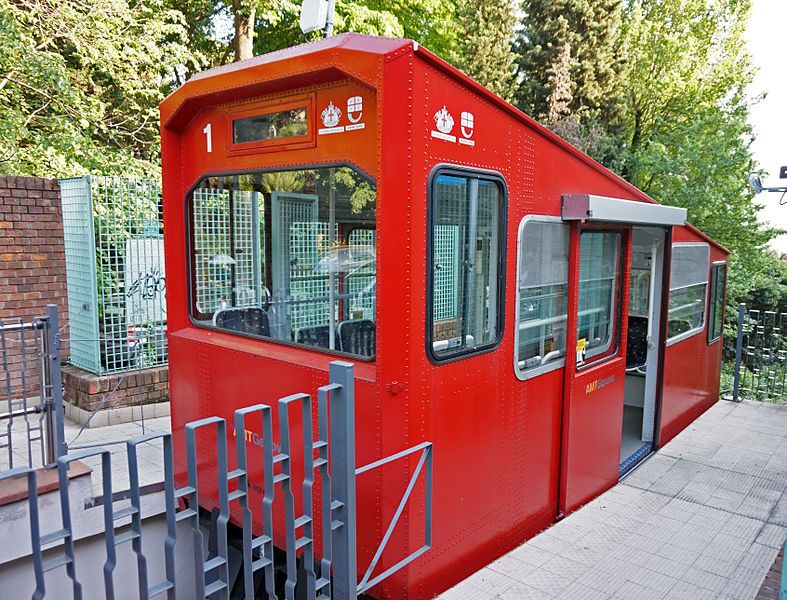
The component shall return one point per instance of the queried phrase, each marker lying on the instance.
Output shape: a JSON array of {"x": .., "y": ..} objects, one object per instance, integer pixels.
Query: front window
[
  {"x": 466, "y": 255},
  {"x": 287, "y": 255},
  {"x": 688, "y": 288}
]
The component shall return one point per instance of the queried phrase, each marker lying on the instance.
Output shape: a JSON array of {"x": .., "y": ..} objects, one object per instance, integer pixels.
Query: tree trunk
[{"x": 244, "y": 12}]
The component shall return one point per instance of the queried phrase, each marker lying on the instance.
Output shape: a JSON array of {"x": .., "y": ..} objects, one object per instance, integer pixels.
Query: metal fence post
[
  {"x": 342, "y": 416},
  {"x": 56, "y": 437},
  {"x": 736, "y": 377}
]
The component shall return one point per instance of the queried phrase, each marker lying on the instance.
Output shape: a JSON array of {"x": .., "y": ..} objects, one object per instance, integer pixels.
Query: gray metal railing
[
  {"x": 31, "y": 392},
  {"x": 760, "y": 371},
  {"x": 329, "y": 572}
]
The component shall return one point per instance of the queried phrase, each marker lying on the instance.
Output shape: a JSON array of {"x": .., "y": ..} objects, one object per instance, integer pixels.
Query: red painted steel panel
[{"x": 497, "y": 440}]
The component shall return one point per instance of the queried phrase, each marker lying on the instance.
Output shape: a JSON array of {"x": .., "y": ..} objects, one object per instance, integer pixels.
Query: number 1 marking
[{"x": 208, "y": 137}]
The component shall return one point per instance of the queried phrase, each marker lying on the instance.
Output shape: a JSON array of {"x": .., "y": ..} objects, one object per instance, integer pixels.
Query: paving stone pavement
[
  {"x": 703, "y": 518},
  {"x": 149, "y": 455}
]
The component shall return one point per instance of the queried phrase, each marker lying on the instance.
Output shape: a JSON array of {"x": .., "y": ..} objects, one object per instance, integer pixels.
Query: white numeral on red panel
[{"x": 208, "y": 137}]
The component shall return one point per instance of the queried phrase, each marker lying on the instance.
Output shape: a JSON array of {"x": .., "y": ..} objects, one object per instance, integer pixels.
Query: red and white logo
[
  {"x": 355, "y": 113},
  {"x": 331, "y": 115}
]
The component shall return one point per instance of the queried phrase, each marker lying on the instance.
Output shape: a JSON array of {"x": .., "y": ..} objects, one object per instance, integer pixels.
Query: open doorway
[{"x": 642, "y": 353}]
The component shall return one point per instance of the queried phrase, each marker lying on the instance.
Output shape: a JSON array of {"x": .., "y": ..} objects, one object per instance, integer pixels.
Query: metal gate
[
  {"x": 31, "y": 392},
  {"x": 320, "y": 573}
]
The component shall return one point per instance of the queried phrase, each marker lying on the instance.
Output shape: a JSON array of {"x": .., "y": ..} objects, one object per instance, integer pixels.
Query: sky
[{"x": 765, "y": 37}]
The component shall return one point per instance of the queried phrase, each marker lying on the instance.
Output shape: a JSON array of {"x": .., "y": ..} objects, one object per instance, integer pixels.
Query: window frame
[
  {"x": 712, "y": 292},
  {"x": 482, "y": 174},
  {"x": 191, "y": 300},
  {"x": 526, "y": 374},
  {"x": 696, "y": 330}
]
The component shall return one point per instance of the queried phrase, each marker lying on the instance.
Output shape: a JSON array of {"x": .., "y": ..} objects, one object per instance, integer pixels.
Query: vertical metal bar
[
  {"x": 331, "y": 274},
  {"x": 242, "y": 476},
  {"x": 266, "y": 539},
  {"x": 342, "y": 417},
  {"x": 219, "y": 563},
  {"x": 329, "y": 18},
  {"x": 171, "y": 508},
  {"x": 289, "y": 501},
  {"x": 7, "y": 373},
  {"x": 325, "y": 488},
  {"x": 56, "y": 430},
  {"x": 469, "y": 263},
  {"x": 736, "y": 381},
  {"x": 307, "y": 496}
]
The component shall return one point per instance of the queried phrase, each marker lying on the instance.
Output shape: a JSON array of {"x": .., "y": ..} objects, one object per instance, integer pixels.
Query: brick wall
[{"x": 32, "y": 260}]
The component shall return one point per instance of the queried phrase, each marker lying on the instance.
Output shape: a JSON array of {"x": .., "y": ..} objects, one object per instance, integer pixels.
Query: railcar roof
[{"x": 384, "y": 47}]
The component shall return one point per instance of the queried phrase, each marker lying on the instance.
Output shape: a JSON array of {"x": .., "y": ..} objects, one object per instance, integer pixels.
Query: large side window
[
  {"x": 598, "y": 313},
  {"x": 287, "y": 255},
  {"x": 466, "y": 250},
  {"x": 718, "y": 286},
  {"x": 688, "y": 289},
  {"x": 542, "y": 296}
]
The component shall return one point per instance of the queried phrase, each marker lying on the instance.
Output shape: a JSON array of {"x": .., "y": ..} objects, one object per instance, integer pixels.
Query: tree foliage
[
  {"x": 590, "y": 29},
  {"x": 485, "y": 51},
  {"x": 80, "y": 82},
  {"x": 656, "y": 90}
]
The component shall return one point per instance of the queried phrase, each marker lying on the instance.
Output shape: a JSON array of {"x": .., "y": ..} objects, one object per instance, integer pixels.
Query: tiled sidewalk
[
  {"x": 702, "y": 519},
  {"x": 149, "y": 455}
]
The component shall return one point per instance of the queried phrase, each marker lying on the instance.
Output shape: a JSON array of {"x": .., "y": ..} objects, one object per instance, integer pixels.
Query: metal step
[
  {"x": 160, "y": 588},
  {"x": 55, "y": 536},
  {"x": 214, "y": 563},
  {"x": 126, "y": 536},
  {"x": 54, "y": 563},
  {"x": 124, "y": 512}
]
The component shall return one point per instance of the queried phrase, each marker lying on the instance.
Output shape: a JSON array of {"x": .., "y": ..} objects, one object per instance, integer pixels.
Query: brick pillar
[{"x": 32, "y": 257}]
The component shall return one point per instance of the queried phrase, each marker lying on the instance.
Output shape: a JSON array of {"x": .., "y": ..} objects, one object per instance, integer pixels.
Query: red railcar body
[{"x": 518, "y": 440}]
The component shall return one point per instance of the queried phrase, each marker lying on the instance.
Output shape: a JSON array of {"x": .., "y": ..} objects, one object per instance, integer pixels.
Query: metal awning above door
[{"x": 594, "y": 209}]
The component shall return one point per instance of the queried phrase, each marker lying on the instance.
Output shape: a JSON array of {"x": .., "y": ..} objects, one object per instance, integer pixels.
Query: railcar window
[
  {"x": 599, "y": 292},
  {"x": 718, "y": 285},
  {"x": 542, "y": 292},
  {"x": 286, "y": 123},
  {"x": 688, "y": 288},
  {"x": 288, "y": 255},
  {"x": 466, "y": 250}
]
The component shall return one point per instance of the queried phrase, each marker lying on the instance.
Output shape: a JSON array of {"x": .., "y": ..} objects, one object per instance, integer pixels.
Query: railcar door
[{"x": 595, "y": 372}]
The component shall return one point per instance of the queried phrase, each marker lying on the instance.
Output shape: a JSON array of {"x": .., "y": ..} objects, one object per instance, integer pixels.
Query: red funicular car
[{"x": 544, "y": 323}]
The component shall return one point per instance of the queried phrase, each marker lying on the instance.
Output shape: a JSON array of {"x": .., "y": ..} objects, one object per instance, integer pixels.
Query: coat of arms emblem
[
  {"x": 444, "y": 120},
  {"x": 331, "y": 115}
]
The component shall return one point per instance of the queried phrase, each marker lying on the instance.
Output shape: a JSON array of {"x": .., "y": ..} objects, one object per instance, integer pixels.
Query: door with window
[{"x": 595, "y": 362}]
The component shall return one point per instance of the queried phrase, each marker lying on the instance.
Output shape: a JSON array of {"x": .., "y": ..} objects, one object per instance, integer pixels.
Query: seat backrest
[
  {"x": 244, "y": 320},
  {"x": 315, "y": 335},
  {"x": 637, "y": 347},
  {"x": 358, "y": 337}
]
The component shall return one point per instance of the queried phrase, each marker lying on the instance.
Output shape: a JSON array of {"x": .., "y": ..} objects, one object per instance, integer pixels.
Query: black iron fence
[{"x": 760, "y": 369}]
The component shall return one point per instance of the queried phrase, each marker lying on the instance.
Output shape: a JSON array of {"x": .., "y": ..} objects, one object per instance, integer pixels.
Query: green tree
[
  {"x": 591, "y": 30},
  {"x": 684, "y": 137},
  {"x": 80, "y": 83},
  {"x": 484, "y": 51}
]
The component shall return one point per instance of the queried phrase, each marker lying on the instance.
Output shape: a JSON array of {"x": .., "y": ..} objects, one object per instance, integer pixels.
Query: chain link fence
[{"x": 113, "y": 233}]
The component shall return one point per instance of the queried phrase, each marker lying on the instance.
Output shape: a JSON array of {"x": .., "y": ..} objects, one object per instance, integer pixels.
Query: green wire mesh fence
[{"x": 115, "y": 270}]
